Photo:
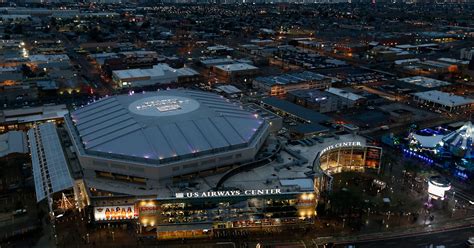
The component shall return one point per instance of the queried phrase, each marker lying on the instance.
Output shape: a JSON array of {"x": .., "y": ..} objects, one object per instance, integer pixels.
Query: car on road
[
  {"x": 470, "y": 242},
  {"x": 19, "y": 212}
]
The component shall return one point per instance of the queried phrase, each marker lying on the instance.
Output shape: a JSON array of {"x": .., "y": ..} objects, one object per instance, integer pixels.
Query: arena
[
  {"x": 153, "y": 136},
  {"x": 187, "y": 164}
]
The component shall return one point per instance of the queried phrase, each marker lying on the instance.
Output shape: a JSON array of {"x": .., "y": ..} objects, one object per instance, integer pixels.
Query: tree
[
  {"x": 410, "y": 166},
  {"x": 146, "y": 25},
  {"x": 18, "y": 29},
  {"x": 95, "y": 34},
  {"x": 53, "y": 22}
]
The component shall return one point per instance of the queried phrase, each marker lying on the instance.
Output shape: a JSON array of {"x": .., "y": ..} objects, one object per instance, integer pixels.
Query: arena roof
[{"x": 165, "y": 125}]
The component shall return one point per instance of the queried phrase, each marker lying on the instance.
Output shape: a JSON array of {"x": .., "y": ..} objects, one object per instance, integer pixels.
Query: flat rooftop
[
  {"x": 13, "y": 142},
  {"x": 444, "y": 98},
  {"x": 291, "y": 78},
  {"x": 344, "y": 94},
  {"x": 32, "y": 114},
  {"x": 236, "y": 67},
  {"x": 424, "y": 82},
  {"x": 296, "y": 110},
  {"x": 159, "y": 70}
]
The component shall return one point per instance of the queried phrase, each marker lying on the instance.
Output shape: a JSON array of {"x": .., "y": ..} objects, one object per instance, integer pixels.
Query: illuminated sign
[
  {"x": 340, "y": 145},
  {"x": 436, "y": 190},
  {"x": 164, "y": 105},
  {"x": 115, "y": 213},
  {"x": 149, "y": 212},
  {"x": 229, "y": 193},
  {"x": 373, "y": 157}
]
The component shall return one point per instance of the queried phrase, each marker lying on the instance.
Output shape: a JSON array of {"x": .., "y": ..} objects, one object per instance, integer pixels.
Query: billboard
[
  {"x": 110, "y": 213},
  {"x": 149, "y": 213},
  {"x": 373, "y": 157},
  {"x": 437, "y": 191}
]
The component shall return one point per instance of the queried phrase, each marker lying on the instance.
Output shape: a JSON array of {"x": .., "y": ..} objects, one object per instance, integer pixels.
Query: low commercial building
[
  {"x": 25, "y": 118},
  {"x": 428, "y": 67},
  {"x": 228, "y": 90},
  {"x": 401, "y": 115},
  {"x": 425, "y": 82},
  {"x": 17, "y": 92},
  {"x": 442, "y": 101},
  {"x": 124, "y": 60},
  {"x": 455, "y": 63},
  {"x": 320, "y": 101},
  {"x": 219, "y": 50},
  {"x": 383, "y": 53},
  {"x": 235, "y": 71},
  {"x": 467, "y": 53},
  {"x": 158, "y": 74},
  {"x": 210, "y": 62},
  {"x": 286, "y": 108},
  {"x": 307, "y": 130},
  {"x": 13, "y": 142},
  {"x": 282, "y": 84},
  {"x": 348, "y": 98},
  {"x": 48, "y": 61}
]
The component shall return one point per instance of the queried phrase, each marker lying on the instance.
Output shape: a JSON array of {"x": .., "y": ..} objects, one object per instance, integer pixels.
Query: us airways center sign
[
  {"x": 229, "y": 193},
  {"x": 340, "y": 145}
]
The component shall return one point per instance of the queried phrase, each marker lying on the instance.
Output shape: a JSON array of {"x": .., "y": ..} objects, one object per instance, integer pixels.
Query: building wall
[
  {"x": 144, "y": 81},
  {"x": 436, "y": 106},
  {"x": 153, "y": 173},
  {"x": 330, "y": 104},
  {"x": 283, "y": 89}
]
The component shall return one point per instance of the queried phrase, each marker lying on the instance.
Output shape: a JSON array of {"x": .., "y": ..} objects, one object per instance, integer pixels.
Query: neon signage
[
  {"x": 229, "y": 193},
  {"x": 164, "y": 105},
  {"x": 340, "y": 145}
]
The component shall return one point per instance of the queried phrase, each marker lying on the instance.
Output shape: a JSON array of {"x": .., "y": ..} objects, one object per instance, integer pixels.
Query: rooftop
[
  {"x": 158, "y": 70},
  {"x": 312, "y": 95},
  {"x": 292, "y": 78},
  {"x": 284, "y": 174},
  {"x": 444, "y": 98},
  {"x": 236, "y": 67},
  {"x": 42, "y": 58},
  {"x": 31, "y": 114},
  {"x": 296, "y": 110},
  {"x": 424, "y": 81},
  {"x": 44, "y": 142},
  {"x": 345, "y": 94},
  {"x": 13, "y": 142},
  {"x": 164, "y": 126},
  {"x": 229, "y": 89}
]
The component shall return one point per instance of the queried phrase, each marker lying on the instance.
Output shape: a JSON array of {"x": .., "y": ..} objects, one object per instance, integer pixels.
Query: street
[{"x": 451, "y": 239}]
